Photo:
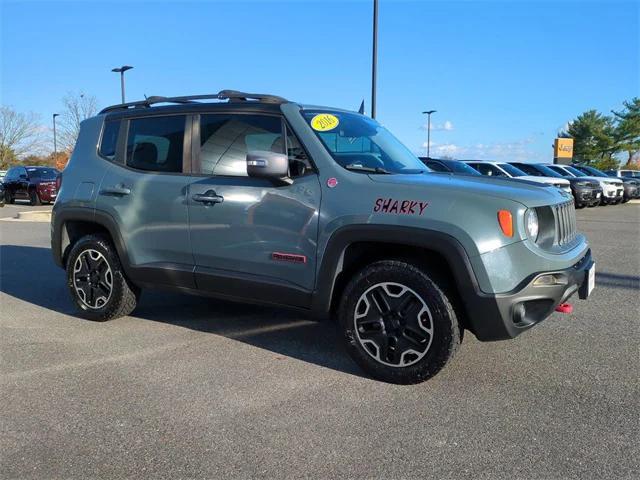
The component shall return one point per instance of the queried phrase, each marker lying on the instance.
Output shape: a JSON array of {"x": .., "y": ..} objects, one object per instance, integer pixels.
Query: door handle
[
  {"x": 117, "y": 190},
  {"x": 208, "y": 197}
]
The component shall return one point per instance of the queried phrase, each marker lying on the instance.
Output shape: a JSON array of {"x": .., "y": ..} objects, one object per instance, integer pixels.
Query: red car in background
[{"x": 36, "y": 184}]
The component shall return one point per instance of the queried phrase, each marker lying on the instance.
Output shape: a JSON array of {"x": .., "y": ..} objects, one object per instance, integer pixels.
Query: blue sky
[{"x": 503, "y": 76}]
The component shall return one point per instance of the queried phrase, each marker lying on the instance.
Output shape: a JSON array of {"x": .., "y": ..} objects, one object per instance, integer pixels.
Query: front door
[
  {"x": 145, "y": 192},
  {"x": 250, "y": 237}
]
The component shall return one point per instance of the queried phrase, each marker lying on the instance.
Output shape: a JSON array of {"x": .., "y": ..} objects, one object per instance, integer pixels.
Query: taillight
[{"x": 58, "y": 181}]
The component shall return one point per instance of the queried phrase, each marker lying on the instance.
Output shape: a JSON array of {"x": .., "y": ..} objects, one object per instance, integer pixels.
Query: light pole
[
  {"x": 121, "y": 71},
  {"x": 55, "y": 140},
  {"x": 374, "y": 63},
  {"x": 429, "y": 112}
]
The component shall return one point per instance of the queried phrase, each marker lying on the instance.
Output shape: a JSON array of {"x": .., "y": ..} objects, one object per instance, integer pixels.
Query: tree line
[
  {"x": 599, "y": 139},
  {"x": 24, "y": 140}
]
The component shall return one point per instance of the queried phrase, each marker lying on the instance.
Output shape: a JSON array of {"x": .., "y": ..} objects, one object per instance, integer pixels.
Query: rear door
[
  {"x": 145, "y": 192},
  {"x": 255, "y": 239}
]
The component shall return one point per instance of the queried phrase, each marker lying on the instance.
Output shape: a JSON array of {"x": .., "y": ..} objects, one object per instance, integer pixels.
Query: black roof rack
[{"x": 231, "y": 95}]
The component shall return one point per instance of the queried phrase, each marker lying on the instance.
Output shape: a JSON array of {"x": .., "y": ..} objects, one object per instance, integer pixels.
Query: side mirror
[
  {"x": 23, "y": 176},
  {"x": 270, "y": 165}
]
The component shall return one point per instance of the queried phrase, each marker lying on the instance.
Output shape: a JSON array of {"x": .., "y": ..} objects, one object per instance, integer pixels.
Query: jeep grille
[{"x": 565, "y": 221}]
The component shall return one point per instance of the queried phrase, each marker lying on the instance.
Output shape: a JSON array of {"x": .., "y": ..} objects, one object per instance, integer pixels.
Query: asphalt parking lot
[{"x": 189, "y": 387}]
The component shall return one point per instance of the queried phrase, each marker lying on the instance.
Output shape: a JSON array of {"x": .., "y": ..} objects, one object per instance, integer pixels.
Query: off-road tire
[
  {"x": 34, "y": 199},
  {"x": 8, "y": 198},
  {"x": 124, "y": 295},
  {"x": 446, "y": 332}
]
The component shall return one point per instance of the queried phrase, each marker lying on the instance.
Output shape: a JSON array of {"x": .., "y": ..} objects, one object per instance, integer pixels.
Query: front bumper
[
  {"x": 503, "y": 316},
  {"x": 584, "y": 195}
]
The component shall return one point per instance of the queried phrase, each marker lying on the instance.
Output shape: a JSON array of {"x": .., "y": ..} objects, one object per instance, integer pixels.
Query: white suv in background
[
  {"x": 612, "y": 188},
  {"x": 503, "y": 169}
]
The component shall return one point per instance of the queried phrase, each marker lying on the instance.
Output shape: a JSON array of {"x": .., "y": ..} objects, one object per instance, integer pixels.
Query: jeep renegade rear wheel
[
  {"x": 399, "y": 326},
  {"x": 97, "y": 282}
]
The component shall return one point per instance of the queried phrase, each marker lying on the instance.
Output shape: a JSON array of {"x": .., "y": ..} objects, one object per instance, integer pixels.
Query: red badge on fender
[{"x": 332, "y": 182}]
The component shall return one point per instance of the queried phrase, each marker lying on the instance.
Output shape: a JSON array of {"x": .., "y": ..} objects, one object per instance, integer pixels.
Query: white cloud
[
  {"x": 516, "y": 151},
  {"x": 447, "y": 126}
]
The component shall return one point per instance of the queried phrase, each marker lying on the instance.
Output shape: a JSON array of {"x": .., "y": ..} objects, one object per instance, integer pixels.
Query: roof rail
[{"x": 231, "y": 95}]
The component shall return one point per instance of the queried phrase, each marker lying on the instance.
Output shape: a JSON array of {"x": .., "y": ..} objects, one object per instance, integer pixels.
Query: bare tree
[
  {"x": 20, "y": 134},
  {"x": 76, "y": 108}
]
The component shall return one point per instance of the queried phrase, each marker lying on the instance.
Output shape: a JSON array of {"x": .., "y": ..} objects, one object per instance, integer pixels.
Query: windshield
[
  {"x": 546, "y": 171},
  {"x": 461, "y": 167},
  {"x": 43, "y": 173},
  {"x": 575, "y": 171},
  {"x": 511, "y": 170},
  {"x": 359, "y": 143},
  {"x": 592, "y": 171}
]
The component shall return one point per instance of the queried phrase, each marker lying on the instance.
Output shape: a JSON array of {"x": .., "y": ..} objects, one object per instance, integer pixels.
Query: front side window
[
  {"x": 109, "y": 139},
  {"x": 156, "y": 143},
  {"x": 225, "y": 140},
  {"x": 361, "y": 144}
]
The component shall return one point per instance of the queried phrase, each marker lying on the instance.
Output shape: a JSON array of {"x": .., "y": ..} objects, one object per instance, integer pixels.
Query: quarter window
[
  {"x": 156, "y": 143},
  {"x": 109, "y": 139}
]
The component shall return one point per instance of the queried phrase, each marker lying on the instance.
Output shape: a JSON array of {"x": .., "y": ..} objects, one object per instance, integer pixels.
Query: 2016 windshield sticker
[
  {"x": 399, "y": 207},
  {"x": 324, "y": 122}
]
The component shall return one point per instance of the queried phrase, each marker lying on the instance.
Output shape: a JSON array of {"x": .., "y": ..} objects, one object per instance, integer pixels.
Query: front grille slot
[{"x": 565, "y": 221}]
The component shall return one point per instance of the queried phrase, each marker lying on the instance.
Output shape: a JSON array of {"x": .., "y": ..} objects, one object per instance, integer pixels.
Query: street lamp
[
  {"x": 374, "y": 63},
  {"x": 55, "y": 140},
  {"x": 429, "y": 112},
  {"x": 121, "y": 71}
]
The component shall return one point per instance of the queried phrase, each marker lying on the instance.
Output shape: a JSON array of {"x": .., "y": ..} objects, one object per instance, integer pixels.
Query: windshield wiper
[{"x": 361, "y": 168}]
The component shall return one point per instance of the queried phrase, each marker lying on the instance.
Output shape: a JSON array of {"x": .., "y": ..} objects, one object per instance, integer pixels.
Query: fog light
[{"x": 550, "y": 279}]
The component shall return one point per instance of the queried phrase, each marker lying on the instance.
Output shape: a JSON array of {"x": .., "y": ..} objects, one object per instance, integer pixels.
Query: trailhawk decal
[{"x": 400, "y": 207}]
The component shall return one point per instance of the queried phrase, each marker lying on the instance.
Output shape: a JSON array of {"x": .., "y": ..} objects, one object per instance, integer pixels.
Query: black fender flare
[
  {"x": 89, "y": 215},
  {"x": 445, "y": 245}
]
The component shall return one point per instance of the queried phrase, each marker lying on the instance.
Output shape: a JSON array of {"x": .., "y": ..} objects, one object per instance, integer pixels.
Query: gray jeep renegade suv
[{"x": 259, "y": 199}]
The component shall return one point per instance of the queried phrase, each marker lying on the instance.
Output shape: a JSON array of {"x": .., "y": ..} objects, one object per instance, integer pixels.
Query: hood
[
  {"x": 610, "y": 180},
  {"x": 530, "y": 194},
  {"x": 549, "y": 180}
]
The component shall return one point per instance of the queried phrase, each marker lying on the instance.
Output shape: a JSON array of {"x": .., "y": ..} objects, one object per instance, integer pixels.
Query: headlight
[
  {"x": 582, "y": 184},
  {"x": 531, "y": 224}
]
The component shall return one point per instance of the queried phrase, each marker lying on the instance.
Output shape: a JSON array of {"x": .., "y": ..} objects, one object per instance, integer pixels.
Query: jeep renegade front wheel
[
  {"x": 398, "y": 324},
  {"x": 97, "y": 282}
]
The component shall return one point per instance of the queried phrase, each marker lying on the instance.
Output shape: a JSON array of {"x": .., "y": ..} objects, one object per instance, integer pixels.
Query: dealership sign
[{"x": 563, "y": 148}]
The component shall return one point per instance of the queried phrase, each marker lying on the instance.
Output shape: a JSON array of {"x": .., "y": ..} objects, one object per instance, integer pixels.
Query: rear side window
[
  {"x": 226, "y": 139},
  {"x": 109, "y": 139},
  {"x": 156, "y": 144}
]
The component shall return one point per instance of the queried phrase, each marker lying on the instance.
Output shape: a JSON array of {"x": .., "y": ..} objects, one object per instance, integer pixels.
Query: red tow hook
[{"x": 564, "y": 308}]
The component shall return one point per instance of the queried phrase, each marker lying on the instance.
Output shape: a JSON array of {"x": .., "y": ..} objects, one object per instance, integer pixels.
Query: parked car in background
[
  {"x": 631, "y": 186},
  {"x": 2, "y": 174},
  {"x": 623, "y": 173},
  {"x": 585, "y": 192},
  {"x": 503, "y": 169},
  {"x": 612, "y": 189},
  {"x": 36, "y": 184},
  {"x": 439, "y": 165}
]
